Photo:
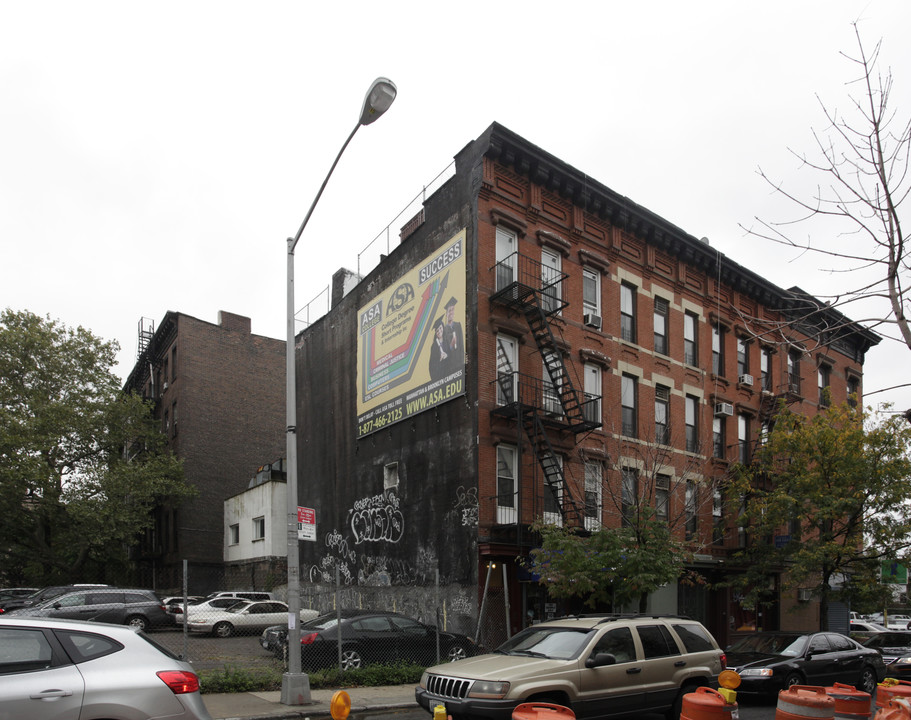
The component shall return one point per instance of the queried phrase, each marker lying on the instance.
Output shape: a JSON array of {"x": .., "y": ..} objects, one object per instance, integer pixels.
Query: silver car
[{"x": 75, "y": 670}]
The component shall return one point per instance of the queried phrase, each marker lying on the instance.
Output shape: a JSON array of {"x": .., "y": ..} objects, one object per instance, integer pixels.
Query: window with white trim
[
  {"x": 553, "y": 496},
  {"x": 507, "y": 489},
  {"x": 259, "y": 528},
  {"x": 592, "y": 390},
  {"x": 594, "y": 476},
  {"x": 591, "y": 291}
]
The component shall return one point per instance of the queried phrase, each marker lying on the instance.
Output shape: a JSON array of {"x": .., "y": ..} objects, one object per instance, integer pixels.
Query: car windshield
[
  {"x": 791, "y": 645},
  {"x": 550, "y": 642}
]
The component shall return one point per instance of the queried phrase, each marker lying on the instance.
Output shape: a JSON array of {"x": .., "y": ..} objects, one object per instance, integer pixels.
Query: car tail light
[
  {"x": 180, "y": 682},
  {"x": 309, "y": 638},
  {"x": 724, "y": 661}
]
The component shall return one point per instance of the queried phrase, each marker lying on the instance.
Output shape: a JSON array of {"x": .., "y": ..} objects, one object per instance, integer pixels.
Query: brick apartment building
[
  {"x": 539, "y": 346},
  {"x": 219, "y": 393}
]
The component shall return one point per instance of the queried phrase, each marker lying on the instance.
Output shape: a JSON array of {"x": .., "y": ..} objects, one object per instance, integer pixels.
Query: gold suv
[{"x": 598, "y": 666}]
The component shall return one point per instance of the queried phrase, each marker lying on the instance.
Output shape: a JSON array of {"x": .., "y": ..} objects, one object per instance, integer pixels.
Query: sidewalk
[{"x": 268, "y": 706}]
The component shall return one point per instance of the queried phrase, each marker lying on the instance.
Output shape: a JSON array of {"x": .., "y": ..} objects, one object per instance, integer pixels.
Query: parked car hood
[
  {"x": 495, "y": 666},
  {"x": 755, "y": 659}
]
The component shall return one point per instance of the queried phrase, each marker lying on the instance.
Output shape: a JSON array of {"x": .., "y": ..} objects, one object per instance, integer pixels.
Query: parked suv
[
  {"x": 142, "y": 609},
  {"x": 39, "y": 596},
  {"x": 598, "y": 666}
]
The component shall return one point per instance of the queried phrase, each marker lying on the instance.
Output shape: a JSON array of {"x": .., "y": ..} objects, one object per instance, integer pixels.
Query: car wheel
[
  {"x": 138, "y": 622},
  {"x": 351, "y": 659},
  {"x": 793, "y": 679},
  {"x": 867, "y": 682},
  {"x": 223, "y": 630},
  {"x": 457, "y": 652}
]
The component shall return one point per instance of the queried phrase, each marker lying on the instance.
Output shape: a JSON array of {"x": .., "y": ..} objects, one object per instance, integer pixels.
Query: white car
[
  {"x": 898, "y": 622},
  {"x": 246, "y": 617}
]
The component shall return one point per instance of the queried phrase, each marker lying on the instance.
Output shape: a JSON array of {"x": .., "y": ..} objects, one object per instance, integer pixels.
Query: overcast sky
[{"x": 155, "y": 157}]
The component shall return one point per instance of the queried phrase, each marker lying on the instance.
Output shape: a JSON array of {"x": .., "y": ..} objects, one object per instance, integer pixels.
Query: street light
[{"x": 295, "y": 684}]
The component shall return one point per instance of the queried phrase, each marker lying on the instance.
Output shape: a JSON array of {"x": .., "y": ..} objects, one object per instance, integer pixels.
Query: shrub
[{"x": 233, "y": 679}]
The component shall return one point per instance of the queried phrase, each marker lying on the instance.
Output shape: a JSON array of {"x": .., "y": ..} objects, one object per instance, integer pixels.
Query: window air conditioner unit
[
  {"x": 746, "y": 380},
  {"x": 164, "y": 386},
  {"x": 723, "y": 408},
  {"x": 592, "y": 320},
  {"x": 804, "y": 594}
]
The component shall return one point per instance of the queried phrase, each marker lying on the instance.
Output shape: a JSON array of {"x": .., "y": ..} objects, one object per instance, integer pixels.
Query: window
[
  {"x": 259, "y": 528},
  {"x": 692, "y": 424},
  {"x": 765, "y": 369},
  {"x": 391, "y": 476},
  {"x": 594, "y": 472},
  {"x": 506, "y": 485},
  {"x": 743, "y": 357},
  {"x": 794, "y": 371},
  {"x": 694, "y": 637},
  {"x": 656, "y": 641},
  {"x": 660, "y": 322},
  {"x": 592, "y": 389},
  {"x": 662, "y": 414},
  {"x": 553, "y": 494},
  {"x": 629, "y": 494},
  {"x": 591, "y": 291},
  {"x": 507, "y": 255},
  {"x": 691, "y": 519},
  {"x": 551, "y": 280},
  {"x": 853, "y": 391},
  {"x": 173, "y": 363},
  {"x": 507, "y": 365},
  {"x": 619, "y": 643},
  {"x": 628, "y": 419},
  {"x": 166, "y": 421},
  {"x": 717, "y": 350},
  {"x": 628, "y": 312},
  {"x": 823, "y": 374},
  {"x": 741, "y": 523},
  {"x": 743, "y": 439},
  {"x": 690, "y": 348},
  {"x": 718, "y": 441},
  {"x": 662, "y": 497},
  {"x": 717, "y": 516},
  {"x": 552, "y": 403},
  {"x": 234, "y": 534},
  {"x": 174, "y": 418}
]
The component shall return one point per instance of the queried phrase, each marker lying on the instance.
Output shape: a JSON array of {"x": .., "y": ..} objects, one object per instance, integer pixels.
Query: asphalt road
[{"x": 207, "y": 652}]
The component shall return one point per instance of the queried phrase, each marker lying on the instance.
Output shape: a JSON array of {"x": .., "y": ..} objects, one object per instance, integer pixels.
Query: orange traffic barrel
[
  {"x": 892, "y": 688},
  {"x": 897, "y": 709},
  {"x": 850, "y": 703},
  {"x": 707, "y": 704},
  {"x": 542, "y": 711},
  {"x": 800, "y": 702}
]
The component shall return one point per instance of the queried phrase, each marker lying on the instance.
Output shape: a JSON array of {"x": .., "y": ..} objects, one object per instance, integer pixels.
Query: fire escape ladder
[
  {"x": 554, "y": 477},
  {"x": 561, "y": 387}
]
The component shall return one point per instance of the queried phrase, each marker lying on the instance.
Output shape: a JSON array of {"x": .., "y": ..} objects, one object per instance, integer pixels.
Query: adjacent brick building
[
  {"x": 601, "y": 354},
  {"x": 219, "y": 393}
]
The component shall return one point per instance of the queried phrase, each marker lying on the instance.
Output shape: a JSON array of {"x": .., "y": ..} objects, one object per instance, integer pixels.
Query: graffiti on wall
[
  {"x": 377, "y": 518},
  {"x": 466, "y": 504}
]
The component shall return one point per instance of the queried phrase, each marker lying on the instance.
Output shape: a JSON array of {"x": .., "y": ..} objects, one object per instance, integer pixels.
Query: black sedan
[
  {"x": 895, "y": 647},
  {"x": 375, "y": 637},
  {"x": 770, "y": 662}
]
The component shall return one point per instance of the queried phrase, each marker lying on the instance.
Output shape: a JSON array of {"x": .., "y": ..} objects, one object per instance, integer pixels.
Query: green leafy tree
[
  {"x": 614, "y": 567},
  {"x": 839, "y": 482},
  {"x": 81, "y": 464}
]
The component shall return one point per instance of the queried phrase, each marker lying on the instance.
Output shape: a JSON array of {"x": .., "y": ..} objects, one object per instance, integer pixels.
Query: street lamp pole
[{"x": 295, "y": 684}]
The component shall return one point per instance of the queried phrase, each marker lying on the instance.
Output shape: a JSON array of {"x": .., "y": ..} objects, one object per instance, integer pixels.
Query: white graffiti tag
[{"x": 376, "y": 519}]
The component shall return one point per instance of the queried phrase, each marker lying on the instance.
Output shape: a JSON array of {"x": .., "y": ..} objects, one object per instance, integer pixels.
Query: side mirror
[{"x": 600, "y": 660}]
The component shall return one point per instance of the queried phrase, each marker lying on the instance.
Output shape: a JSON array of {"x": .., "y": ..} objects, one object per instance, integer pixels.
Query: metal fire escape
[{"x": 549, "y": 403}]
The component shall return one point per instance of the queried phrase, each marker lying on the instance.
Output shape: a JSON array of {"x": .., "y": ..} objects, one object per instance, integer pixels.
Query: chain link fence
[{"x": 343, "y": 625}]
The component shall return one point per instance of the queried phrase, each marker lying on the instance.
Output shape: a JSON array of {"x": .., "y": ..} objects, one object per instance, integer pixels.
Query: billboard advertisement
[{"x": 410, "y": 343}]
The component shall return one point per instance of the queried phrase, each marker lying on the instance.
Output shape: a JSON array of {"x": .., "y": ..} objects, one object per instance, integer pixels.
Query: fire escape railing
[{"x": 552, "y": 402}]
